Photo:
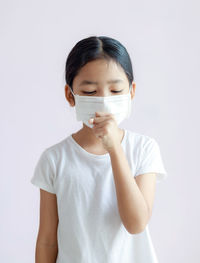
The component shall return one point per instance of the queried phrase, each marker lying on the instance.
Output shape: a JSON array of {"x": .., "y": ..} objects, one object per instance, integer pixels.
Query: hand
[{"x": 105, "y": 128}]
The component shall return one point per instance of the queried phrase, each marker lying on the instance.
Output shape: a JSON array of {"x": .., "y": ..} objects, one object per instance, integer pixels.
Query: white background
[{"x": 162, "y": 38}]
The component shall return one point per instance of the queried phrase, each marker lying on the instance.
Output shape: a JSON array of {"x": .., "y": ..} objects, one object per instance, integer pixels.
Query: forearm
[
  {"x": 131, "y": 203},
  {"x": 46, "y": 252}
]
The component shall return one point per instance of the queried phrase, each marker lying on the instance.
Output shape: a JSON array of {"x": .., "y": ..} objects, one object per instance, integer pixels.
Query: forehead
[{"x": 101, "y": 70}]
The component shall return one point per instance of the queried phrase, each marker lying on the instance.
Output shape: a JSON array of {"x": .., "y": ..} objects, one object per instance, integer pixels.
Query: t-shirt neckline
[{"x": 96, "y": 156}]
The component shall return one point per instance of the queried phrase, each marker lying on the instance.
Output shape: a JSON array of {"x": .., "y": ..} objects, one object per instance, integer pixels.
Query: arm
[
  {"x": 46, "y": 245},
  {"x": 134, "y": 195}
]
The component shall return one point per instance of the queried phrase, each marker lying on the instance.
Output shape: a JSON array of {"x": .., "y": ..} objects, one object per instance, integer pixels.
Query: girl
[{"x": 97, "y": 185}]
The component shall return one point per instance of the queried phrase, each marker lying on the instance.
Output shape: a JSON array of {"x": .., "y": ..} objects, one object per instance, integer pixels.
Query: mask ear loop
[{"x": 72, "y": 91}]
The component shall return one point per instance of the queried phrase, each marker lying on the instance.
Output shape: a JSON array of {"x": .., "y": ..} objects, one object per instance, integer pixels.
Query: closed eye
[{"x": 115, "y": 91}]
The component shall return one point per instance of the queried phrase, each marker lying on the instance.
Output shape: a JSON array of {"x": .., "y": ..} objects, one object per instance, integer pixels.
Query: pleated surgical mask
[{"x": 118, "y": 105}]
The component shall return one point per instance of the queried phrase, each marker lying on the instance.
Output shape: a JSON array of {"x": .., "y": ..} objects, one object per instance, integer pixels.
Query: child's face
[{"x": 92, "y": 80}]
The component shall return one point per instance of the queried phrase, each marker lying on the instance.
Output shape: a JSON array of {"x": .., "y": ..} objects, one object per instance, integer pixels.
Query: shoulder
[
  {"x": 54, "y": 152},
  {"x": 140, "y": 139}
]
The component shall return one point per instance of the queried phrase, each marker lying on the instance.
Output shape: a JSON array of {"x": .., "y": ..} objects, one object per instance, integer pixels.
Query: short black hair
[{"x": 93, "y": 48}]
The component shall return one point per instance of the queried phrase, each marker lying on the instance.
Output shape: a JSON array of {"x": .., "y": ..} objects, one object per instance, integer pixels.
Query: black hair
[{"x": 93, "y": 48}]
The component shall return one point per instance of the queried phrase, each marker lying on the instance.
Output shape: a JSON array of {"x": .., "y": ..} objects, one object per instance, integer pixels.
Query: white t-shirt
[{"x": 90, "y": 229}]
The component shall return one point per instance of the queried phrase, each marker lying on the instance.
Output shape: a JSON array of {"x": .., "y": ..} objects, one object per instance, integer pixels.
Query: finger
[
  {"x": 101, "y": 113},
  {"x": 99, "y": 132},
  {"x": 100, "y": 119},
  {"x": 101, "y": 124},
  {"x": 97, "y": 119}
]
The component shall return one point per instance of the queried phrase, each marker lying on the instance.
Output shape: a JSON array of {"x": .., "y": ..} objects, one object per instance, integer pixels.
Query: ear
[
  {"x": 133, "y": 90},
  {"x": 68, "y": 95}
]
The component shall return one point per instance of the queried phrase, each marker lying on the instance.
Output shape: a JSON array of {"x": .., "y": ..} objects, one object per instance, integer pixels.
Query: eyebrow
[{"x": 88, "y": 82}]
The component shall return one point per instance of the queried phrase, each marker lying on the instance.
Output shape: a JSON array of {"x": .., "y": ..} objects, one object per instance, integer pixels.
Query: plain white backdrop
[{"x": 162, "y": 38}]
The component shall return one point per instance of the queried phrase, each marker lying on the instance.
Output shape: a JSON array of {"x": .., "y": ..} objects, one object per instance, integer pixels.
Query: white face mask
[{"x": 118, "y": 105}]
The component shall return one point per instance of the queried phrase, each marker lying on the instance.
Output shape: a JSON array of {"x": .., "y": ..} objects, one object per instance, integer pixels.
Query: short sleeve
[
  {"x": 43, "y": 176},
  {"x": 151, "y": 160}
]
